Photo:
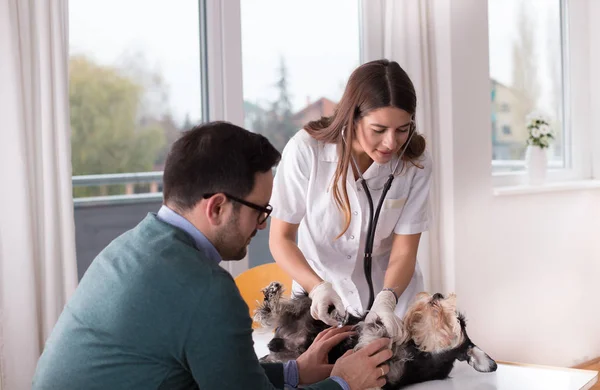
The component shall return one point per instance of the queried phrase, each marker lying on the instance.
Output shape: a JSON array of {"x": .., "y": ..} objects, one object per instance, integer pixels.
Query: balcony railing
[
  {"x": 117, "y": 178},
  {"x": 499, "y": 166}
]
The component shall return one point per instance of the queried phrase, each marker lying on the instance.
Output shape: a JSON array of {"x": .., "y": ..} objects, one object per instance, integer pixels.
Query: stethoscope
[{"x": 374, "y": 216}]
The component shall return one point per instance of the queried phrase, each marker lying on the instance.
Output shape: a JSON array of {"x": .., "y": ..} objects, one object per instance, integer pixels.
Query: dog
[{"x": 434, "y": 336}]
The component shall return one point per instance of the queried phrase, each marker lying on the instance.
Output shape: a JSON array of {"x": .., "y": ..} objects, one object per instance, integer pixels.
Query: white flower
[
  {"x": 537, "y": 118},
  {"x": 544, "y": 129},
  {"x": 537, "y": 115},
  {"x": 535, "y": 132}
]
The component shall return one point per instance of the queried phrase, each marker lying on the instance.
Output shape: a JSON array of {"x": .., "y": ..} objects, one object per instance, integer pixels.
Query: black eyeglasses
[{"x": 265, "y": 211}]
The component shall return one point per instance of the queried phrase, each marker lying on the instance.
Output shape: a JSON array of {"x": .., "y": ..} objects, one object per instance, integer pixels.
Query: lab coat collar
[{"x": 329, "y": 153}]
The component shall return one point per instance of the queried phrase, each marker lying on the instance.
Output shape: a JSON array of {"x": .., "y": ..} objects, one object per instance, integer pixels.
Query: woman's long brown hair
[{"x": 373, "y": 85}]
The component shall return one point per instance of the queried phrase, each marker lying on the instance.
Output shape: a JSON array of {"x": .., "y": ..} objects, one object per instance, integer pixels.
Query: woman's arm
[
  {"x": 282, "y": 242},
  {"x": 285, "y": 251},
  {"x": 400, "y": 270},
  {"x": 403, "y": 260}
]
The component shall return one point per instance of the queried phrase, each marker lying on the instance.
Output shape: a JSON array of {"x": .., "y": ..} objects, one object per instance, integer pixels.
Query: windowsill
[{"x": 575, "y": 185}]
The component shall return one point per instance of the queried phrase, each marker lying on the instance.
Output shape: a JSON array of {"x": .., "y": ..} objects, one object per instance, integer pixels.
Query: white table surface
[{"x": 509, "y": 376}]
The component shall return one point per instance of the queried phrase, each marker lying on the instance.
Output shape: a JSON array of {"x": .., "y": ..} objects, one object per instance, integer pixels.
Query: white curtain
[
  {"x": 403, "y": 31},
  {"x": 37, "y": 242}
]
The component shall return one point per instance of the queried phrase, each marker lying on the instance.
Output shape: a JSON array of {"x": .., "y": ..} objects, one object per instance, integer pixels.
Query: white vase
[{"x": 536, "y": 163}]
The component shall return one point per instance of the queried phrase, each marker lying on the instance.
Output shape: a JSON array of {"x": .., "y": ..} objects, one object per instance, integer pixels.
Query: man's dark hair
[{"x": 215, "y": 157}]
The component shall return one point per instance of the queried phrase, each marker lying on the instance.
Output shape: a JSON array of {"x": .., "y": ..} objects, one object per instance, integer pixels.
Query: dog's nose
[{"x": 438, "y": 296}]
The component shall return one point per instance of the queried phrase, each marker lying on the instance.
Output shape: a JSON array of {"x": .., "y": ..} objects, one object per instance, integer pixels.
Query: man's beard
[{"x": 231, "y": 243}]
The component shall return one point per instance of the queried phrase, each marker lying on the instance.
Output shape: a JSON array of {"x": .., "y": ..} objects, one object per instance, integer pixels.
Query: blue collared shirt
[
  {"x": 169, "y": 216},
  {"x": 291, "y": 376},
  {"x": 165, "y": 214}
]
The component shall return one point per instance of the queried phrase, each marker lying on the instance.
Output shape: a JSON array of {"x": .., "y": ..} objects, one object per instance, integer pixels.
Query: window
[
  {"x": 526, "y": 75},
  {"x": 294, "y": 72},
  {"x": 134, "y": 85}
]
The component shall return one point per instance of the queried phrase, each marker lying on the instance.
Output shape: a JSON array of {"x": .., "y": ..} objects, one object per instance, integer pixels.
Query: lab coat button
[
  {"x": 356, "y": 213},
  {"x": 352, "y": 237},
  {"x": 349, "y": 257}
]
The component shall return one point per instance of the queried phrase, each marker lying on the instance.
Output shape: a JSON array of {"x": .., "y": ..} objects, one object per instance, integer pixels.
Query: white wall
[{"x": 527, "y": 267}]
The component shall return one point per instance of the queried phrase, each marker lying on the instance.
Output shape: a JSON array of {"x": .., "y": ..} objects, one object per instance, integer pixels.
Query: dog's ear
[
  {"x": 452, "y": 301},
  {"x": 479, "y": 360}
]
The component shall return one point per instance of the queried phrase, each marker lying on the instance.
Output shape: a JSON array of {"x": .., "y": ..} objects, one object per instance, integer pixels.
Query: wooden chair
[{"x": 251, "y": 282}]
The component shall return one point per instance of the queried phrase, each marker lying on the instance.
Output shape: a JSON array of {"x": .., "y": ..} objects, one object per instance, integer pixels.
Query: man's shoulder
[
  {"x": 223, "y": 286},
  {"x": 156, "y": 256},
  {"x": 154, "y": 239}
]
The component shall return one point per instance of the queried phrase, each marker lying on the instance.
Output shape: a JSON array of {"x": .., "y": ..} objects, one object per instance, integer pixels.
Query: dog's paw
[
  {"x": 273, "y": 290},
  {"x": 266, "y": 311}
]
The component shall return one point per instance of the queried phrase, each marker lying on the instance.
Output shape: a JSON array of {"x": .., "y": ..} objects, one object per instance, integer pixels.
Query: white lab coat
[{"x": 302, "y": 194}]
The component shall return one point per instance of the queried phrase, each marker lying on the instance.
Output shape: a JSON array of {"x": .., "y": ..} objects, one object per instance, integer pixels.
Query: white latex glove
[
  {"x": 383, "y": 309},
  {"x": 323, "y": 296}
]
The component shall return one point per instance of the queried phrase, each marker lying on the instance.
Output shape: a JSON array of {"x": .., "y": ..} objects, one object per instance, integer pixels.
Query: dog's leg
[
  {"x": 267, "y": 312},
  {"x": 376, "y": 330},
  {"x": 368, "y": 333}
]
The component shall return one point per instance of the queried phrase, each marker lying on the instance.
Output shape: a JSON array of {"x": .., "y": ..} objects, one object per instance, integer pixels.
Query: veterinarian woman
[{"x": 320, "y": 198}]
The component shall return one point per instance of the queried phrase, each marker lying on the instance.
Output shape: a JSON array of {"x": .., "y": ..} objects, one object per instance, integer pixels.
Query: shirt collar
[
  {"x": 329, "y": 153},
  {"x": 169, "y": 216}
]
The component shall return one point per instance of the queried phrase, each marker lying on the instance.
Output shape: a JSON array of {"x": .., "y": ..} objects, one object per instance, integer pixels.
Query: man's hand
[
  {"x": 323, "y": 296},
  {"x": 383, "y": 309},
  {"x": 364, "y": 369},
  {"x": 313, "y": 365}
]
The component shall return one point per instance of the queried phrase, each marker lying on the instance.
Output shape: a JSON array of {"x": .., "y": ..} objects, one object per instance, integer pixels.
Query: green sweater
[{"x": 152, "y": 312}]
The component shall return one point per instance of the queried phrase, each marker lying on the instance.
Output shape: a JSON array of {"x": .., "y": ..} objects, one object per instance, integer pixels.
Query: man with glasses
[{"x": 156, "y": 311}]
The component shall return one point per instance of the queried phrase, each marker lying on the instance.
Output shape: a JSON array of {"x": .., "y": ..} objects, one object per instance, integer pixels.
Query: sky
[
  {"x": 318, "y": 39},
  {"x": 166, "y": 33},
  {"x": 545, "y": 17}
]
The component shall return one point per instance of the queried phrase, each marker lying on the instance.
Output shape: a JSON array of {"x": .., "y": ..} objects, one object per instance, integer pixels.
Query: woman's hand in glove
[
  {"x": 323, "y": 297},
  {"x": 383, "y": 309}
]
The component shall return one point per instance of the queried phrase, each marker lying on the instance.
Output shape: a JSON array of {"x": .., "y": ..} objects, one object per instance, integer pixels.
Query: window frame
[
  {"x": 225, "y": 70},
  {"x": 224, "y": 75},
  {"x": 222, "y": 72},
  {"x": 593, "y": 86},
  {"x": 577, "y": 46},
  {"x": 148, "y": 176},
  {"x": 579, "y": 36}
]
